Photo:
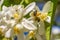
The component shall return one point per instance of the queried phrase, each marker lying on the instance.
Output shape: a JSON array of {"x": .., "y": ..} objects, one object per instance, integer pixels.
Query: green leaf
[
  {"x": 11, "y": 2},
  {"x": 7, "y": 3},
  {"x": 48, "y": 33},
  {"x": 26, "y": 1},
  {"x": 1, "y": 37},
  {"x": 0, "y": 7},
  {"x": 51, "y": 9},
  {"x": 51, "y": 13},
  {"x": 29, "y": 1}
]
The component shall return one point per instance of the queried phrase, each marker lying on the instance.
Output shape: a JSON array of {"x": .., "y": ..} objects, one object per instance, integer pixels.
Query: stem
[
  {"x": 53, "y": 14},
  {"x": 53, "y": 11},
  {"x": 0, "y": 7},
  {"x": 49, "y": 26},
  {"x": 21, "y": 2}
]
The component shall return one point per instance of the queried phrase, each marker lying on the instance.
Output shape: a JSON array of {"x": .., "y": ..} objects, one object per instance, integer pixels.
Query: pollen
[
  {"x": 31, "y": 34},
  {"x": 16, "y": 15},
  {"x": 16, "y": 30},
  {"x": 43, "y": 16}
]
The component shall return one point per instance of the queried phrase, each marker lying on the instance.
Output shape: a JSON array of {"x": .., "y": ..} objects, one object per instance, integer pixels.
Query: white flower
[
  {"x": 8, "y": 34},
  {"x": 28, "y": 25},
  {"x": 2, "y": 27},
  {"x": 48, "y": 19},
  {"x": 19, "y": 29},
  {"x": 30, "y": 7},
  {"x": 11, "y": 22},
  {"x": 42, "y": 15},
  {"x": 18, "y": 13},
  {"x": 19, "y": 26},
  {"x": 4, "y": 8},
  {"x": 39, "y": 17}
]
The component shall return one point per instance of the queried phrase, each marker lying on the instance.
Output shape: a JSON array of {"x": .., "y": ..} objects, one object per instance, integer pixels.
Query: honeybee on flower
[
  {"x": 13, "y": 21},
  {"x": 38, "y": 17},
  {"x": 42, "y": 15}
]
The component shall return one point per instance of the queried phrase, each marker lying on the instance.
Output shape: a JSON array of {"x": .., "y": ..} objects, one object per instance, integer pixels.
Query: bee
[
  {"x": 38, "y": 16},
  {"x": 35, "y": 15}
]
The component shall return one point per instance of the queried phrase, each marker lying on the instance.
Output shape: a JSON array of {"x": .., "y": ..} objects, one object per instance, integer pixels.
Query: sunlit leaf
[
  {"x": 26, "y": 1},
  {"x": 29, "y": 1}
]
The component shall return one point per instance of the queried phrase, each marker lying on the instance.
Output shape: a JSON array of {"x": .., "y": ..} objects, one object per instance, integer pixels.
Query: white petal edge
[
  {"x": 47, "y": 7},
  {"x": 4, "y": 8},
  {"x": 8, "y": 34},
  {"x": 28, "y": 25},
  {"x": 29, "y": 8},
  {"x": 48, "y": 19},
  {"x": 19, "y": 26},
  {"x": 3, "y": 27}
]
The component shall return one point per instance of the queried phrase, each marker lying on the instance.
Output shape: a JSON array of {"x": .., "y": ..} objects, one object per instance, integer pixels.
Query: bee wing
[
  {"x": 29, "y": 8},
  {"x": 28, "y": 25},
  {"x": 47, "y": 7}
]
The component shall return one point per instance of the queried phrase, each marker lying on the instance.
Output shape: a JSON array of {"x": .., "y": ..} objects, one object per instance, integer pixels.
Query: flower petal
[
  {"x": 20, "y": 36},
  {"x": 48, "y": 19},
  {"x": 13, "y": 22},
  {"x": 31, "y": 19},
  {"x": 28, "y": 25},
  {"x": 41, "y": 27},
  {"x": 3, "y": 28},
  {"x": 29, "y": 8},
  {"x": 4, "y": 8},
  {"x": 19, "y": 26},
  {"x": 47, "y": 7},
  {"x": 8, "y": 34}
]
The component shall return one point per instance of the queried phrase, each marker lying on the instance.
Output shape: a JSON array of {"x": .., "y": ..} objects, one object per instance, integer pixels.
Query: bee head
[{"x": 35, "y": 12}]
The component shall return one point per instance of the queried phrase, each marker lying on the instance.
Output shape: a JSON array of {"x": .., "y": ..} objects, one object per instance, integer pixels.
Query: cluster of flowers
[{"x": 13, "y": 20}]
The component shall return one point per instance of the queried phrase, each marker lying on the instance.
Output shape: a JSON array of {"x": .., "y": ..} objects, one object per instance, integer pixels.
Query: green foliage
[
  {"x": 11, "y": 2},
  {"x": 1, "y": 37},
  {"x": 15, "y": 2},
  {"x": 29, "y": 1},
  {"x": 51, "y": 13},
  {"x": 6, "y": 2},
  {"x": 33, "y": 38},
  {"x": 48, "y": 25},
  {"x": 0, "y": 8}
]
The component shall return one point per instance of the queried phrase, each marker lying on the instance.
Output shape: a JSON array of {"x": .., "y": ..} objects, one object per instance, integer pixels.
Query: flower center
[
  {"x": 16, "y": 30},
  {"x": 43, "y": 16},
  {"x": 16, "y": 16},
  {"x": 31, "y": 34}
]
